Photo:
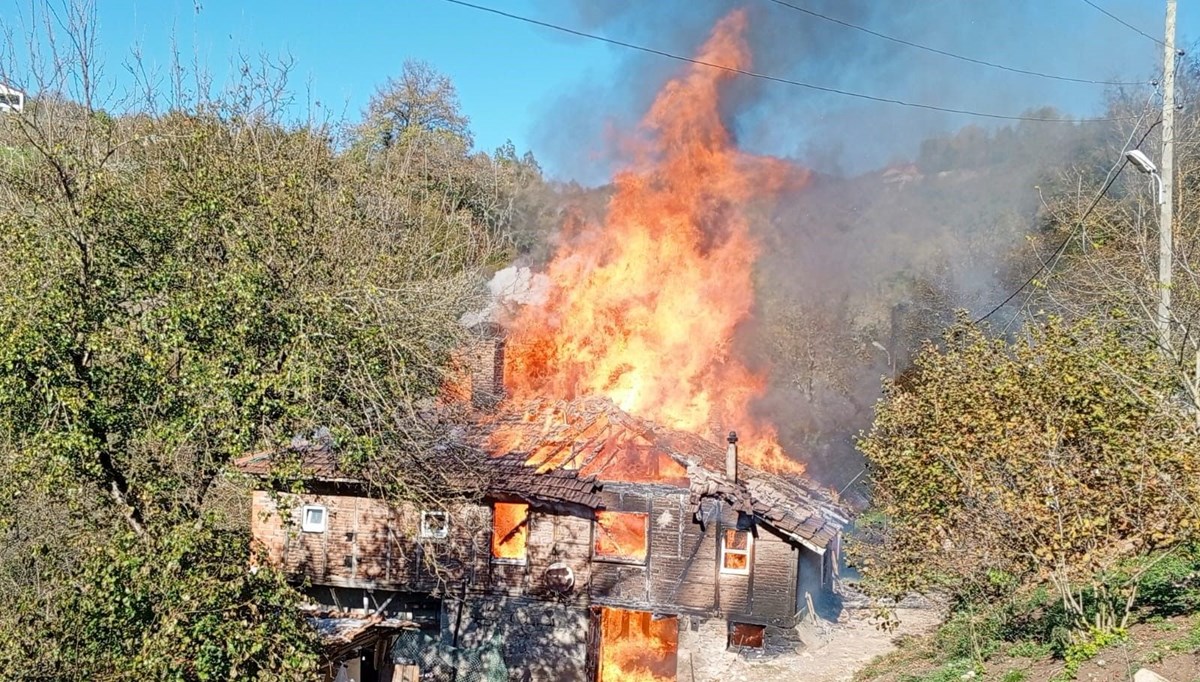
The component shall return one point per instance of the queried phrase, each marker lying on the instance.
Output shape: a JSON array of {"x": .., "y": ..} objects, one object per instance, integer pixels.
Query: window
[
  {"x": 746, "y": 635},
  {"x": 735, "y": 552},
  {"x": 621, "y": 536},
  {"x": 313, "y": 518},
  {"x": 435, "y": 524},
  {"x": 510, "y": 530}
]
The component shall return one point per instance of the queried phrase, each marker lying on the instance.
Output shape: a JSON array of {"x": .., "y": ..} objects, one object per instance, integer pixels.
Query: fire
[
  {"x": 635, "y": 647},
  {"x": 645, "y": 305},
  {"x": 510, "y": 530},
  {"x": 621, "y": 535}
]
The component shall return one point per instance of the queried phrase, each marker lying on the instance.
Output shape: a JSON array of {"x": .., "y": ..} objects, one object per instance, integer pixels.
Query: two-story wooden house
[{"x": 602, "y": 547}]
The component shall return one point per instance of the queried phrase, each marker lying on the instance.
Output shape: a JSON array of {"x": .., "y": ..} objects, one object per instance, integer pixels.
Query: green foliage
[
  {"x": 1086, "y": 646},
  {"x": 996, "y": 465},
  {"x": 1168, "y": 582},
  {"x": 951, "y": 671},
  {"x": 1029, "y": 649},
  {"x": 200, "y": 613},
  {"x": 178, "y": 289}
]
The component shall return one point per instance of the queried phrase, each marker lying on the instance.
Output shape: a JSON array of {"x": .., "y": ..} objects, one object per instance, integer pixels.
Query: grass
[
  {"x": 1030, "y": 649},
  {"x": 1033, "y": 626},
  {"x": 949, "y": 672}
]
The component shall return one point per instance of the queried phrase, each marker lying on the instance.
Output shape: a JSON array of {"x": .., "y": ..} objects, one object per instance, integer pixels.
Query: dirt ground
[
  {"x": 1169, "y": 648},
  {"x": 832, "y": 653},
  {"x": 1160, "y": 647}
]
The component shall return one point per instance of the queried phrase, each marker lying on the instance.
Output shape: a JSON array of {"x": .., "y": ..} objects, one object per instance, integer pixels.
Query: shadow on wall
[{"x": 543, "y": 641}]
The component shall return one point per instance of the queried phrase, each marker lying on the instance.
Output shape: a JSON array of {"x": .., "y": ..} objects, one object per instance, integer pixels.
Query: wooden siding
[{"x": 369, "y": 544}]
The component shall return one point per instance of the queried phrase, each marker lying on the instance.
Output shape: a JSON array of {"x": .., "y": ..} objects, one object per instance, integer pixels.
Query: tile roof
[
  {"x": 562, "y": 451},
  {"x": 595, "y": 438},
  {"x": 505, "y": 475}
]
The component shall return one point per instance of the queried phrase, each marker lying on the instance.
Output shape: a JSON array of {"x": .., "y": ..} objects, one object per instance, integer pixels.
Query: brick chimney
[
  {"x": 485, "y": 360},
  {"x": 731, "y": 460}
]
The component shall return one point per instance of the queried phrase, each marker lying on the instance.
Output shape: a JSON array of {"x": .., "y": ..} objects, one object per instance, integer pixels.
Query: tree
[
  {"x": 1048, "y": 459},
  {"x": 175, "y": 290},
  {"x": 420, "y": 101}
]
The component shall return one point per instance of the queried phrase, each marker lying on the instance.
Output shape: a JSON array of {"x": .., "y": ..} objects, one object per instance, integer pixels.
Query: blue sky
[{"x": 547, "y": 91}]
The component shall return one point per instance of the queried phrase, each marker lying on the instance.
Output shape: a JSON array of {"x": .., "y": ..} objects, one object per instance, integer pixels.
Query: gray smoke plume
[
  {"x": 911, "y": 213},
  {"x": 1057, "y": 37}
]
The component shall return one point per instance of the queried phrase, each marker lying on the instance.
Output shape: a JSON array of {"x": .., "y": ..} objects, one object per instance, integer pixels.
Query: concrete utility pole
[{"x": 1167, "y": 206}]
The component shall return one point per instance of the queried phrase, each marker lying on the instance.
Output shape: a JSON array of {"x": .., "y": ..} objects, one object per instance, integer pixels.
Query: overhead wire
[
  {"x": 775, "y": 79},
  {"x": 946, "y": 53},
  {"x": 1124, "y": 23},
  {"x": 1049, "y": 263}
]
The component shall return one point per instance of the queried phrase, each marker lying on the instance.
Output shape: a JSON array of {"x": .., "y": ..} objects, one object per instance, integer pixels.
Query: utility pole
[{"x": 1166, "y": 209}]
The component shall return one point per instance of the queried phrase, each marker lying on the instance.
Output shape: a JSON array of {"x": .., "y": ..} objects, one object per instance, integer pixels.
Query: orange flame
[
  {"x": 634, "y": 647},
  {"x": 645, "y": 305},
  {"x": 510, "y": 530},
  {"x": 621, "y": 535}
]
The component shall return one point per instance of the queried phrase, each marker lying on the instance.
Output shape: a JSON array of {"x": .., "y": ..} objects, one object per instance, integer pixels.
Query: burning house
[
  {"x": 604, "y": 547},
  {"x": 620, "y": 530}
]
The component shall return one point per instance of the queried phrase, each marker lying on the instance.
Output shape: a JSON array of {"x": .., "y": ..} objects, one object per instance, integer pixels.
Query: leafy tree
[
  {"x": 421, "y": 100},
  {"x": 1045, "y": 460},
  {"x": 179, "y": 288}
]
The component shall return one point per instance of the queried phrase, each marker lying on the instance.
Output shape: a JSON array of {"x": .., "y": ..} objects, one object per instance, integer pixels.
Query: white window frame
[
  {"x": 433, "y": 533},
  {"x": 749, "y": 552},
  {"x": 314, "y": 526}
]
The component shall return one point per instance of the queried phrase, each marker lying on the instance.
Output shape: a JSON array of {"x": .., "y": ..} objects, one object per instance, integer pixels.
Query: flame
[
  {"x": 621, "y": 535},
  {"x": 634, "y": 647},
  {"x": 645, "y": 305},
  {"x": 510, "y": 530}
]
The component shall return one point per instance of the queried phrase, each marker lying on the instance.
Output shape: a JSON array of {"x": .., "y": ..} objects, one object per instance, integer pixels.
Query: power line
[
  {"x": 775, "y": 79},
  {"x": 1124, "y": 23},
  {"x": 1049, "y": 262},
  {"x": 945, "y": 53}
]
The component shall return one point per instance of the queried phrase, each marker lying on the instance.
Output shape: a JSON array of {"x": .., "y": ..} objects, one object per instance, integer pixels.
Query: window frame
[
  {"x": 514, "y": 561},
  {"x": 737, "y": 631},
  {"x": 616, "y": 559},
  {"x": 317, "y": 526},
  {"x": 429, "y": 533},
  {"x": 726, "y": 551}
]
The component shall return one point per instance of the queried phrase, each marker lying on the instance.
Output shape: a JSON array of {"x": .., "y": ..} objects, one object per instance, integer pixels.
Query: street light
[
  {"x": 1165, "y": 255},
  {"x": 1145, "y": 165}
]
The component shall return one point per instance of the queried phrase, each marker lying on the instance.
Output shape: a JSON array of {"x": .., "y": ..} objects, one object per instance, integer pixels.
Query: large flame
[
  {"x": 636, "y": 647},
  {"x": 645, "y": 304}
]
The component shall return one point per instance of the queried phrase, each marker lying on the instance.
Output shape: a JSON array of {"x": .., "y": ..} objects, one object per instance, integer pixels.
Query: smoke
[
  {"x": 912, "y": 214},
  {"x": 1060, "y": 38}
]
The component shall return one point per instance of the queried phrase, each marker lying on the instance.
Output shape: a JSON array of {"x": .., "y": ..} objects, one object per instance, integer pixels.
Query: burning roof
[
  {"x": 503, "y": 475},
  {"x": 594, "y": 438}
]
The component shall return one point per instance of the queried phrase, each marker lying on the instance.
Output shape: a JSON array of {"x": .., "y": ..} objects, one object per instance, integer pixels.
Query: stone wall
[
  {"x": 542, "y": 641},
  {"x": 703, "y": 651}
]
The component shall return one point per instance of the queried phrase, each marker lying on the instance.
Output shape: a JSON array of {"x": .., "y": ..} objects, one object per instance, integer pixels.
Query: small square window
[
  {"x": 313, "y": 518},
  {"x": 735, "y": 552},
  {"x": 746, "y": 635},
  {"x": 435, "y": 524}
]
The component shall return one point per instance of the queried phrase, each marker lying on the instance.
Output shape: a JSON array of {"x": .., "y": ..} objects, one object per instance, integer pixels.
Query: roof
[
  {"x": 547, "y": 451},
  {"x": 319, "y": 461},
  {"x": 595, "y": 438},
  {"x": 341, "y": 635}
]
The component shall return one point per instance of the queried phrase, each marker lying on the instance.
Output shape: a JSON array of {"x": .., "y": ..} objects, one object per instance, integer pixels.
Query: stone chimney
[
  {"x": 731, "y": 457},
  {"x": 485, "y": 359}
]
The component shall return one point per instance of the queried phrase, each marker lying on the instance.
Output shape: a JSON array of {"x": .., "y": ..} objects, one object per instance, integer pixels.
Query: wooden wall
[{"x": 369, "y": 544}]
